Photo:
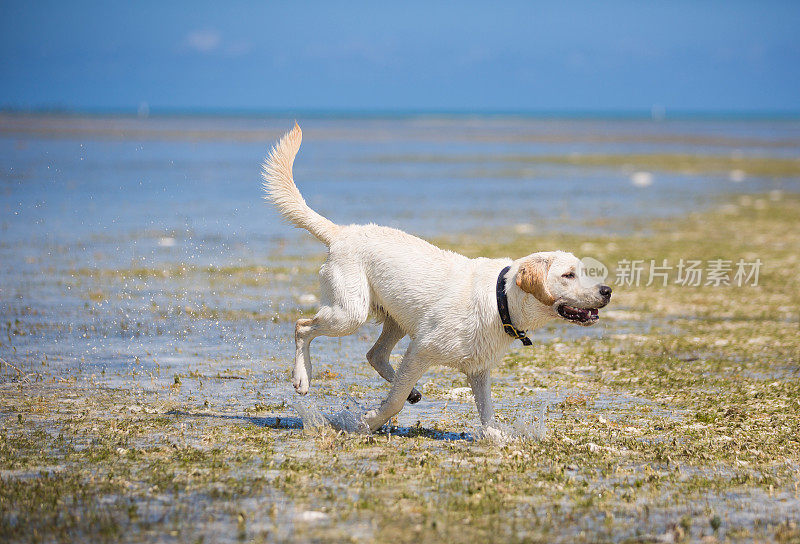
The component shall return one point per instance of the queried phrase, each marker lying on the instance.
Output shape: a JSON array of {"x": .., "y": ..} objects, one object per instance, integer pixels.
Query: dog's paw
[
  {"x": 414, "y": 397},
  {"x": 370, "y": 420},
  {"x": 300, "y": 385}
]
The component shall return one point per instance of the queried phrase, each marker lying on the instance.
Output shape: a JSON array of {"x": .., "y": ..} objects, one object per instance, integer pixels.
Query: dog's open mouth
[{"x": 582, "y": 316}]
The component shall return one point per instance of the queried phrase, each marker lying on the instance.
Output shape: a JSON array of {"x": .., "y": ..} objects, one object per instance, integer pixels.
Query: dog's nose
[{"x": 605, "y": 291}]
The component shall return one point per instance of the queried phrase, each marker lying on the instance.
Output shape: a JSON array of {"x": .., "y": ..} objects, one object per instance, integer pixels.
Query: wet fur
[{"x": 443, "y": 301}]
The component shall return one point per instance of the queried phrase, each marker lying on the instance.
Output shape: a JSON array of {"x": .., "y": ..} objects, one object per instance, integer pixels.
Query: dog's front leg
[
  {"x": 409, "y": 371},
  {"x": 481, "y": 383},
  {"x": 378, "y": 355}
]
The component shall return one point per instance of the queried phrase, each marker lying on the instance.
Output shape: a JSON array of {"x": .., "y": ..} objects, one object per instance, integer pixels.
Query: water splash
[
  {"x": 533, "y": 426},
  {"x": 529, "y": 426},
  {"x": 350, "y": 418},
  {"x": 309, "y": 413}
]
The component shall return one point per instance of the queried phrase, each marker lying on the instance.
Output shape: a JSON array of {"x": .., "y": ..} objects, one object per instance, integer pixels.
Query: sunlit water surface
[{"x": 138, "y": 252}]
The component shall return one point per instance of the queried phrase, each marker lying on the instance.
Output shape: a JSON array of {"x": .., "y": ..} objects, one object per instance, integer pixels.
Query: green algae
[{"x": 679, "y": 422}]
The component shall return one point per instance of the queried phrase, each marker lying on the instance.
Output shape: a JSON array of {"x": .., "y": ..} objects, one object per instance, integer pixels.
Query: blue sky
[{"x": 511, "y": 56}]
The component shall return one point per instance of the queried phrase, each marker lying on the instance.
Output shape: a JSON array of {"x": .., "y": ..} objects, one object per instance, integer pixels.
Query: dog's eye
[{"x": 568, "y": 275}]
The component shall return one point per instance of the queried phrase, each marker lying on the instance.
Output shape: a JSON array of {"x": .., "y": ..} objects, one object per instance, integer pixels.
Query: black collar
[{"x": 502, "y": 308}]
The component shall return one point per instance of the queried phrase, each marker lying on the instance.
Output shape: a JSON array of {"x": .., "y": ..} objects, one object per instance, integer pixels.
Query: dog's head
[{"x": 554, "y": 279}]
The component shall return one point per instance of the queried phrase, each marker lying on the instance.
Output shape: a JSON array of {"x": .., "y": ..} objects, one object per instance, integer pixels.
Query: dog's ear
[{"x": 532, "y": 278}]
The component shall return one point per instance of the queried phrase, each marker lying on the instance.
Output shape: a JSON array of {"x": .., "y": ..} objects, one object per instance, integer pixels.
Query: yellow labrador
[{"x": 459, "y": 312}]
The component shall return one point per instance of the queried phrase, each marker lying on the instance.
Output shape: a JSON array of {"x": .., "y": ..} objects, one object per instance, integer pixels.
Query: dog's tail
[{"x": 280, "y": 188}]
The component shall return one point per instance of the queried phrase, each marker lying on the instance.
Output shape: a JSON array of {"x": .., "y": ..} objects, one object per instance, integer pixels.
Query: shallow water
[
  {"x": 147, "y": 300},
  {"x": 110, "y": 227}
]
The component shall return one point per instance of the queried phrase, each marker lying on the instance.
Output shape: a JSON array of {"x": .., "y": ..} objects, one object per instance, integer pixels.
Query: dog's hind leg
[
  {"x": 378, "y": 355},
  {"x": 408, "y": 372},
  {"x": 345, "y": 308},
  {"x": 301, "y": 375},
  {"x": 329, "y": 321}
]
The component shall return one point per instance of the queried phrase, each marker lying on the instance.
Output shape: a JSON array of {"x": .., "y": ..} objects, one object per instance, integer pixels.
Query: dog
[{"x": 458, "y": 312}]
